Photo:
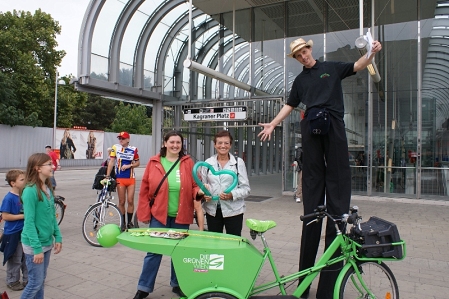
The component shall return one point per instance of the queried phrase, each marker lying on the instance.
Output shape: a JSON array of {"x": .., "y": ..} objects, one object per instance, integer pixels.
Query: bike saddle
[{"x": 260, "y": 226}]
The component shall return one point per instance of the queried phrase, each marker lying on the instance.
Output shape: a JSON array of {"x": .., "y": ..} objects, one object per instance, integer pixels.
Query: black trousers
[
  {"x": 325, "y": 171},
  {"x": 233, "y": 224}
]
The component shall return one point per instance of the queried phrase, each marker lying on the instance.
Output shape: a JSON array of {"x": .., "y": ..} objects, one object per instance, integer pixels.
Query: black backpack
[{"x": 101, "y": 174}]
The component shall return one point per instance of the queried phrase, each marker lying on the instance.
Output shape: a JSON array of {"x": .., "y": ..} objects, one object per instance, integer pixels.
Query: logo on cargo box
[{"x": 206, "y": 262}]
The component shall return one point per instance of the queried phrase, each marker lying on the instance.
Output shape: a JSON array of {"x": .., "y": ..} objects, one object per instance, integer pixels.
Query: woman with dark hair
[
  {"x": 169, "y": 207},
  {"x": 227, "y": 212}
]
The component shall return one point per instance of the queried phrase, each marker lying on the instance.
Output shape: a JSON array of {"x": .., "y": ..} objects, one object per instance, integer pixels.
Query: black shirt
[{"x": 321, "y": 86}]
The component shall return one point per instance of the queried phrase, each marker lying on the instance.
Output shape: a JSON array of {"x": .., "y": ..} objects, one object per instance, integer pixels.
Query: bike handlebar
[
  {"x": 320, "y": 212},
  {"x": 309, "y": 216}
]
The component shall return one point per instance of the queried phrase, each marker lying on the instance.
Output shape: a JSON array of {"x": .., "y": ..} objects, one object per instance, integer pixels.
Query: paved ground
[{"x": 82, "y": 271}]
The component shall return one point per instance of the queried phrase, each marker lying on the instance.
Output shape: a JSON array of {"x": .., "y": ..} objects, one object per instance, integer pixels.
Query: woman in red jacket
[{"x": 171, "y": 207}]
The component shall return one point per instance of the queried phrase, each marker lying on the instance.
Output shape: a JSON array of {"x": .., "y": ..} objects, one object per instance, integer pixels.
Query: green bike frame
[{"x": 207, "y": 262}]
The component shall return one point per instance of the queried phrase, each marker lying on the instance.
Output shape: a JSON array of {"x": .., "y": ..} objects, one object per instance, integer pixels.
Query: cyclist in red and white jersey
[{"x": 125, "y": 158}]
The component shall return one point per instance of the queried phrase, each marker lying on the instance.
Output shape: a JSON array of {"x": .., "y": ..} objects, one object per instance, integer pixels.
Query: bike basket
[
  {"x": 376, "y": 236},
  {"x": 98, "y": 186}
]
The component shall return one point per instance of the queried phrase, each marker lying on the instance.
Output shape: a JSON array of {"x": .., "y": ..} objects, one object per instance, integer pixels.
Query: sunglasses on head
[{"x": 121, "y": 138}]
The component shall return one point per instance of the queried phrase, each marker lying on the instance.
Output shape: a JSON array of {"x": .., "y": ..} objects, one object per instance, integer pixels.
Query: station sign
[{"x": 234, "y": 113}]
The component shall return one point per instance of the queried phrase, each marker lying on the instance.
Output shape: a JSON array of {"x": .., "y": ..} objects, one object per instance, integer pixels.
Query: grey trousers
[{"x": 14, "y": 265}]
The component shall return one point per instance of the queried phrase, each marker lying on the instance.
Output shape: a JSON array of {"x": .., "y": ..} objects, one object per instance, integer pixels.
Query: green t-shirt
[{"x": 174, "y": 186}]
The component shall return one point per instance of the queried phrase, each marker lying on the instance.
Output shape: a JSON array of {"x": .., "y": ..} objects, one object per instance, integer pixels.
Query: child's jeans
[{"x": 36, "y": 277}]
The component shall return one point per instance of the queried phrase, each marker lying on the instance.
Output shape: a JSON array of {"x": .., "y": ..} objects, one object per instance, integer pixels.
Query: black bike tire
[
  {"x": 384, "y": 276},
  {"x": 61, "y": 209},
  {"x": 215, "y": 295},
  {"x": 86, "y": 216}
]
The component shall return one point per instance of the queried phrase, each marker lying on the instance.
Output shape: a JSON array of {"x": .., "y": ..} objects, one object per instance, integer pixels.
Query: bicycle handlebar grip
[
  {"x": 308, "y": 216},
  {"x": 212, "y": 170}
]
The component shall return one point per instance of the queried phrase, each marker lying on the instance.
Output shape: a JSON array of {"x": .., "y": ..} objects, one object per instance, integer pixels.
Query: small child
[
  {"x": 40, "y": 232},
  {"x": 12, "y": 214}
]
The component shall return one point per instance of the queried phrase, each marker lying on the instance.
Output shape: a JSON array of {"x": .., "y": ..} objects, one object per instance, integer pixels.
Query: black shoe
[
  {"x": 177, "y": 291},
  {"x": 141, "y": 295},
  {"x": 130, "y": 225}
]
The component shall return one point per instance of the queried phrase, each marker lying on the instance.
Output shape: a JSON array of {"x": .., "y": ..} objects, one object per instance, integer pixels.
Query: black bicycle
[{"x": 60, "y": 207}]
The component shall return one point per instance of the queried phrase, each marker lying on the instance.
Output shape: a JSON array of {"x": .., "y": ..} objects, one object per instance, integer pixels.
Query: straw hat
[{"x": 297, "y": 45}]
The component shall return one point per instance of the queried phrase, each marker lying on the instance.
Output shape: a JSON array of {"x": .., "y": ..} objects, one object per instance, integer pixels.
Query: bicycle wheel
[
  {"x": 59, "y": 210},
  {"x": 96, "y": 216},
  {"x": 377, "y": 277},
  {"x": 215, "y": 296}
]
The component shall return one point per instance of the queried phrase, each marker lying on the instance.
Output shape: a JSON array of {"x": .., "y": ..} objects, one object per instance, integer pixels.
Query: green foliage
[
  {"x": 98, "y": 114},
  {"x": 69, "y": 102},
  {"x": 27, "y": 64},
  {"x": 131, "y": 118}
]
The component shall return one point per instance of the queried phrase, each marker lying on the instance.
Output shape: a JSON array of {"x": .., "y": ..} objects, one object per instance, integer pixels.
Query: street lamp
[{"x": 57, "y": 82}]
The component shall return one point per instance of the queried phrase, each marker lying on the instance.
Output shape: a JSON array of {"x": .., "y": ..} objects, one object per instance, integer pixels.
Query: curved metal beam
[
  {"x": 85, "y": 40},
  {"x": 167, "y": 41},
  {"x": 197, "y": 33},
  {"x": 117, "y": 38},
  {"x": 142, "y": 42}
]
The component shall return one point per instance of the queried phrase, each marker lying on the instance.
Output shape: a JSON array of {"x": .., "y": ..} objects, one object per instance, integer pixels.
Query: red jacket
[{"x": 154, "y": 172}]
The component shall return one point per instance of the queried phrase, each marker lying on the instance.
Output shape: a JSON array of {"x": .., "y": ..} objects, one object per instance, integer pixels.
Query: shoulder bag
[{"x": 160, "y": 184}]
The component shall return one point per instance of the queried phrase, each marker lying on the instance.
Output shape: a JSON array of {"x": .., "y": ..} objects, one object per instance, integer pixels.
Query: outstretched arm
[
  {"x": 269, "y": 127},
  {"x": 363, "y": 62}
]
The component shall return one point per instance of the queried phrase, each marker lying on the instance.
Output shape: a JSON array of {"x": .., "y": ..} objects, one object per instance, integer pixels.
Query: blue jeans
[
  {"x": 52, "y": 179},
  {"x": 36, "y": 277},
  {"x": 152, "y": 261}
]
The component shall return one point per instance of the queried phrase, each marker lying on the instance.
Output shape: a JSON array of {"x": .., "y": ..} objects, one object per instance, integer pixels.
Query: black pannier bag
[
  {"x": 376, "y": 236},
  {"x": 101, "y": 174}
]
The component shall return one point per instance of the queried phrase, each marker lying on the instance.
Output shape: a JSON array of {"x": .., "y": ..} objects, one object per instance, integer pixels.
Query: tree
[
  {"x": 132, "y": 118},
  {"x": 69, "y": 102},
  {"x": 27, "y": 64},
  {"x": 98, "y": 114},
  {"x": 9, "y": 114}
]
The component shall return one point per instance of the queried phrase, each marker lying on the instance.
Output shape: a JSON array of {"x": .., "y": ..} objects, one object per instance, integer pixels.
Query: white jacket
[{"x": 219, "y": 183}]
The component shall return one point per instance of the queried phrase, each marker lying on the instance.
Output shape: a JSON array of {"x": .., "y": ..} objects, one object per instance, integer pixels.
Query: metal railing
[{"x": 401, "y": 180}]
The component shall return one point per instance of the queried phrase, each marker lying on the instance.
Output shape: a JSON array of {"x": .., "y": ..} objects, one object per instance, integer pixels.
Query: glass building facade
[{"x": 397, "y": 129}]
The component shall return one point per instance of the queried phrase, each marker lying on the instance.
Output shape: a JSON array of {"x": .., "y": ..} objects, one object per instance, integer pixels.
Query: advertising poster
[{"x": 79, "y": 144}]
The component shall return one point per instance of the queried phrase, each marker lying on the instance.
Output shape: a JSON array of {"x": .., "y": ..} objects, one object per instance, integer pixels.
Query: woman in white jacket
[{"x": 227, "y": 212}]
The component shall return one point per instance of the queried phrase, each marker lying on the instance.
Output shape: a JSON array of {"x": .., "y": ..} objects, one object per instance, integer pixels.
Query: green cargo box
[{"x": 204, "y": 261}]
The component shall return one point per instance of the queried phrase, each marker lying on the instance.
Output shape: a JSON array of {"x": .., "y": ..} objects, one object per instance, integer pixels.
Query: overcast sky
[{"x": 69, "y": 14}]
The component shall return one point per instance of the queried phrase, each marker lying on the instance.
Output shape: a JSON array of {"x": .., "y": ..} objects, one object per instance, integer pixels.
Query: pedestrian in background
[
  {"x": 298, "y": 161},
  {"x": 55, "y": 164}
]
